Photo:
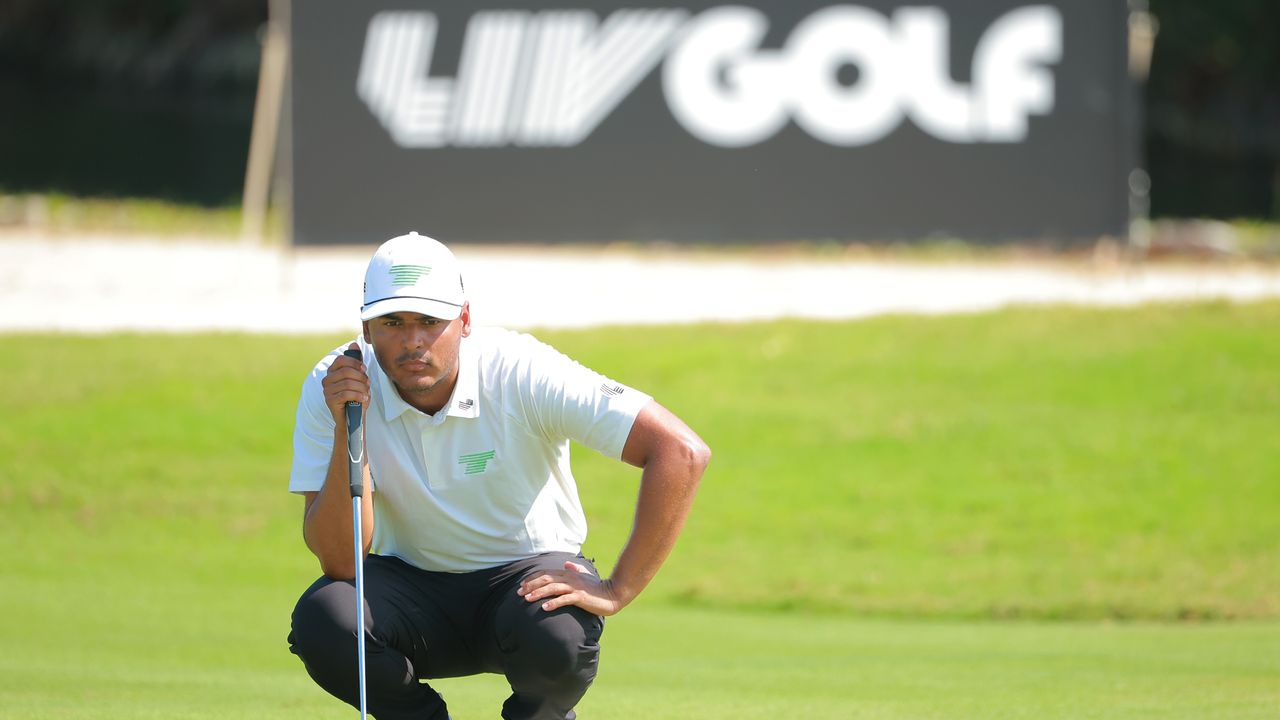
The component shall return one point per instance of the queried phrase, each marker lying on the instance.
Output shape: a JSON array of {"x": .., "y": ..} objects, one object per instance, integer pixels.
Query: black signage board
[{"x": 983, "y": 120}]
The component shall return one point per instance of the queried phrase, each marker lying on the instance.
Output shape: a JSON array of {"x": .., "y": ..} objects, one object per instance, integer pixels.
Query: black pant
[{"x": 421, "y": 625}]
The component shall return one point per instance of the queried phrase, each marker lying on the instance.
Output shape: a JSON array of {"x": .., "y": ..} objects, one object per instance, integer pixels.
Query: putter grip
[{"x": 355, "y": 438}]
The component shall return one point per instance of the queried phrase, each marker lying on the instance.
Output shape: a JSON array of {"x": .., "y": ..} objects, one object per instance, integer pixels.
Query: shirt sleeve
[
  {"x": 572, "y": 401},
  {"x": 312, "y": 433}
]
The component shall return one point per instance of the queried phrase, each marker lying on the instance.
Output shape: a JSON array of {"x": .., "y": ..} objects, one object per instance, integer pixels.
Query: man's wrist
[{"x": 620, "y": 592}]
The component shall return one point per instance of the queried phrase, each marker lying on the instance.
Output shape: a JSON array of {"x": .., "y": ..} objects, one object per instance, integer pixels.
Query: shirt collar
[{"x": 465, "y": 401}]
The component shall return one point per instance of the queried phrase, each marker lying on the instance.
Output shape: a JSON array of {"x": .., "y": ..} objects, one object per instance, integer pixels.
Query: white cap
[{"x": 413, "y": 273}]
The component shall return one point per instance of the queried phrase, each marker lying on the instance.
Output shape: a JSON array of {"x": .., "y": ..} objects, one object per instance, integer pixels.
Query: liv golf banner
[{"x": 519, "y": 121}]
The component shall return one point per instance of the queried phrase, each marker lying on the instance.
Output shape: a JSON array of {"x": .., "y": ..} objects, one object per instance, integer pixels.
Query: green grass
[
  {"x": 880, "y": 492},
  {"x": 1047, "y": 464},
  {"x": 676, "y": 664},
  {"x": 665, "y": 663},
  {"x": 61, "y": 214},
  {"x": 1239, "y": 240}
]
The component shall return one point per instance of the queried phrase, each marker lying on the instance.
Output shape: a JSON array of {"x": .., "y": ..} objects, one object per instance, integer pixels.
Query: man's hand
[
  {"x": 575, "y": 585},
  {"x": 347, "y": 380}
]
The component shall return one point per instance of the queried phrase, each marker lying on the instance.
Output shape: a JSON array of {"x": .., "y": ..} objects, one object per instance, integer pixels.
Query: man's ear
[
  {"x": 365, "y": 327},
  {"x": 466, "y": 319}
]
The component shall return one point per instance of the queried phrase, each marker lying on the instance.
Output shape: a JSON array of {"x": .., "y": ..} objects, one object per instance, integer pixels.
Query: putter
[{"x": 355, "y": 476}]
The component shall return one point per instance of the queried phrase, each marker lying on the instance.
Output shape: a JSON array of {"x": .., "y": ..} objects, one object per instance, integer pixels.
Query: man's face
[{"x": 420, "y": 354}]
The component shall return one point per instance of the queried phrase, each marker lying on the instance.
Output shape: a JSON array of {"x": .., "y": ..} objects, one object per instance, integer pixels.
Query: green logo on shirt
[
  {"x": 407, "y": 274},
  {"x": 475, "y": 462}
]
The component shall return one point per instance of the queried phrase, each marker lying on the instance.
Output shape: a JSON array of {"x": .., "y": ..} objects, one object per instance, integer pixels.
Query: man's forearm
[
  {"x": 673, "y": 459},
  {"x": 667, "y": 488},
  {"x": 327, "y": 527}
]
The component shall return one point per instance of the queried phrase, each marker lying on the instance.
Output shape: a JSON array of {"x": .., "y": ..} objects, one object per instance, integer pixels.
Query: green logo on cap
[
  {"x": 475, "y": 462},
  {"x": 408, "y": 274}
]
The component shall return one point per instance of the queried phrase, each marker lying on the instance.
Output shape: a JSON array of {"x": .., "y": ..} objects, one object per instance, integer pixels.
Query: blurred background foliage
[
  {"x": 1212, "y": 106},
  {"x": 128, "y": 98},
  {"x": 154, "y": 99}
]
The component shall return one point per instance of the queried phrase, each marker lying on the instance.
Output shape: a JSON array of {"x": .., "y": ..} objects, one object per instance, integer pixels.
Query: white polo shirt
[{"x": 487, "y": 480}]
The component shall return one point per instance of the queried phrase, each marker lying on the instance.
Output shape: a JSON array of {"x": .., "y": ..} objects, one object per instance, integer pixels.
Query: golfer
[{"x": 471, "y": 518}]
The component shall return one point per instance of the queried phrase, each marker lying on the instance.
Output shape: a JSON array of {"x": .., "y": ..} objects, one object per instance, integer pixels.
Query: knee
[
  {"x": 558, "y": 649},
  {"x": 322, "y": 618}
]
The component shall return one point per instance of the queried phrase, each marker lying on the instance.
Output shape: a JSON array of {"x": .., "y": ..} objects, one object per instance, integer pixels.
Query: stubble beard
[{"x": 419, "y": 389}]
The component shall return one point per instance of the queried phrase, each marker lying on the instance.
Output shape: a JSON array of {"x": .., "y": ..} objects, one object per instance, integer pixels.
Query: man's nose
[{"x": 418, "y": 337}]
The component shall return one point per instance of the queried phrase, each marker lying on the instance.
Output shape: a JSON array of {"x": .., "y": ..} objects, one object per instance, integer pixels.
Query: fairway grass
[
  {"x": 1035, "y": 513},
  {"x": 1033, "y": 463},
  {"x": 227, "y": 659}
]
